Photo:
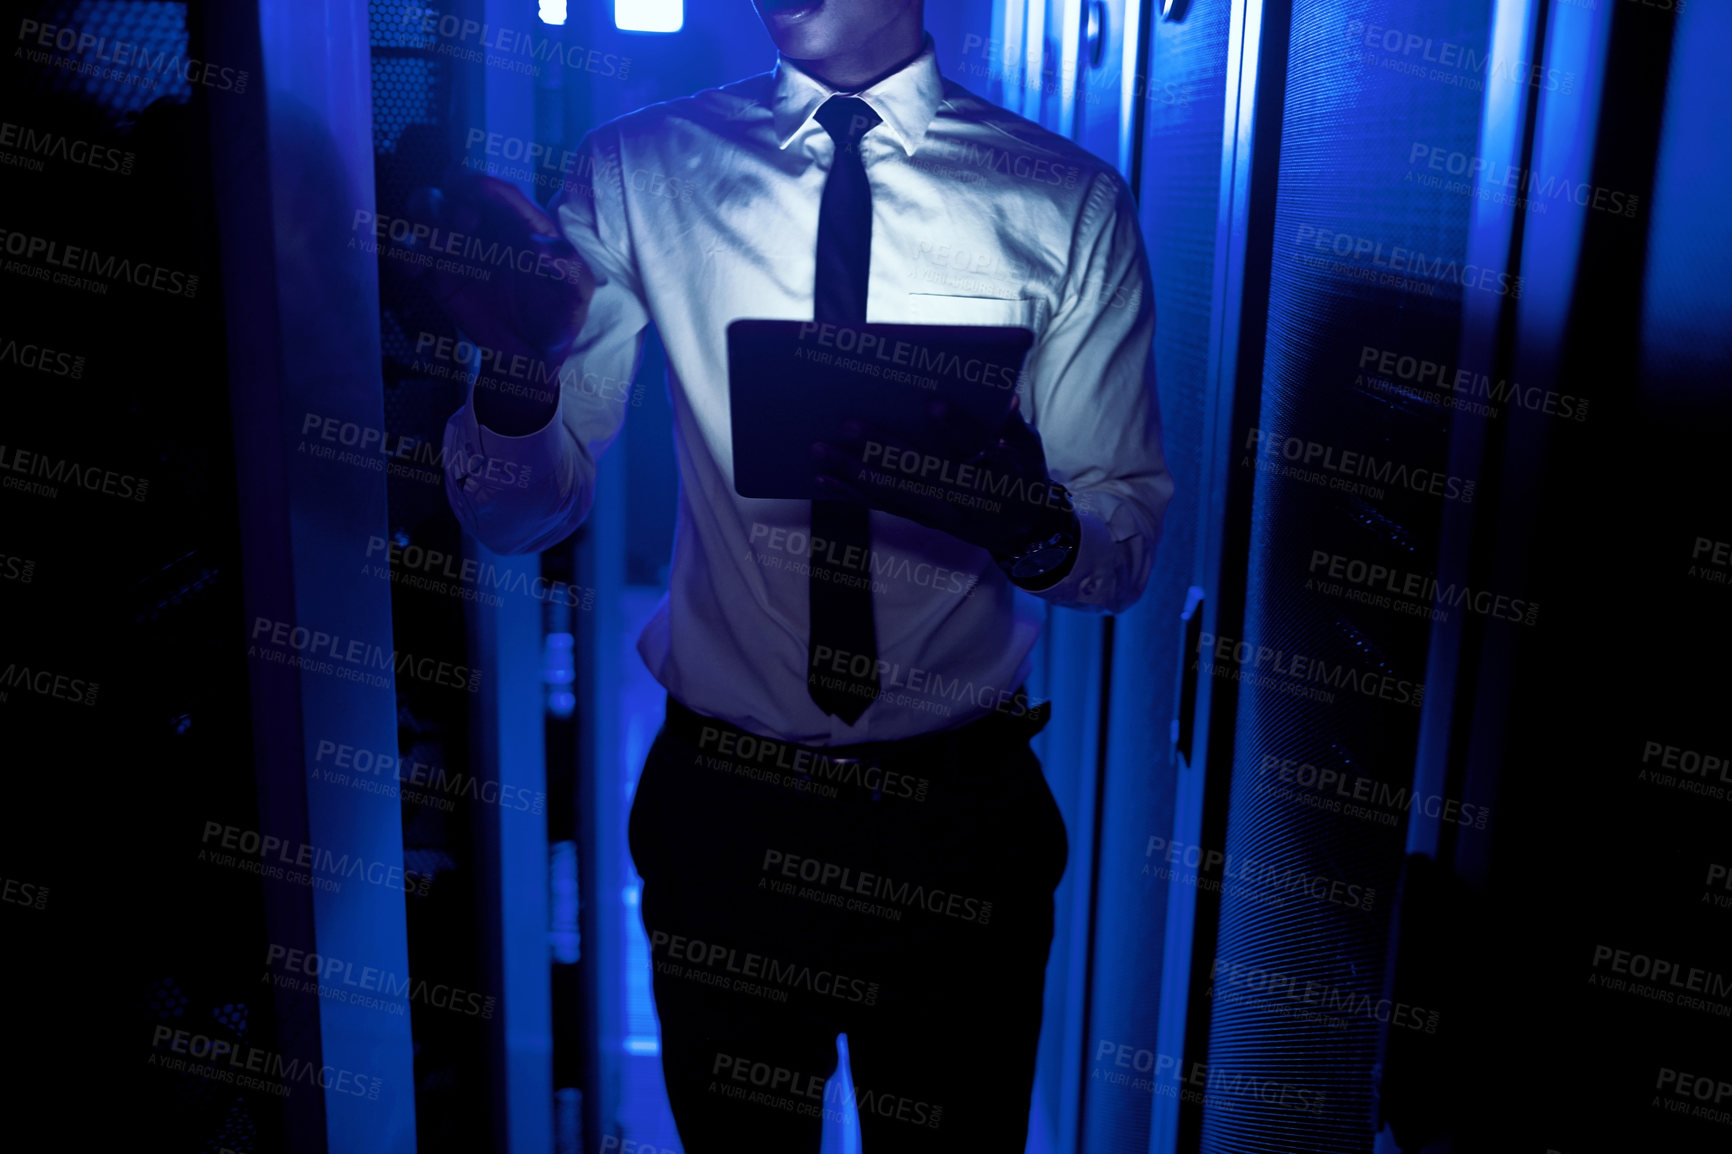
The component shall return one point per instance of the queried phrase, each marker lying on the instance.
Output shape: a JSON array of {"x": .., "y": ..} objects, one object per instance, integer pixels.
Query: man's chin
[{"x": 802, "y": 29}]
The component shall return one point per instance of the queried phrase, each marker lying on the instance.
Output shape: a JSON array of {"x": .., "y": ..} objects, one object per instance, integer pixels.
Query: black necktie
[{"x": 842, "y": 648}]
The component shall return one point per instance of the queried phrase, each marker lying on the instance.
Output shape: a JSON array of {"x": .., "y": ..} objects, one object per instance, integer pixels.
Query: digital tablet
[{"x": 791, "y": 383}]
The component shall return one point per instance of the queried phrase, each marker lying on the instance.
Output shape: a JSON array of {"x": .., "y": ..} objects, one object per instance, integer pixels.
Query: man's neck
[{"x": 860, "y": 69}]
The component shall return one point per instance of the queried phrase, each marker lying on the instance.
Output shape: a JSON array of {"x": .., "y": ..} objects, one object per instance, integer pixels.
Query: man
[{"x": 841, "y": 827}]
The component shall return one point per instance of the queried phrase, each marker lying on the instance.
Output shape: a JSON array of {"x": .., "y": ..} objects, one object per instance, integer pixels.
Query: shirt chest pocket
[{"x": 940, "y": 309}]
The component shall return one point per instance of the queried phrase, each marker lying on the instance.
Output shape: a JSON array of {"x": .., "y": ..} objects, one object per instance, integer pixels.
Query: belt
[{"x": 707, "y": 734}]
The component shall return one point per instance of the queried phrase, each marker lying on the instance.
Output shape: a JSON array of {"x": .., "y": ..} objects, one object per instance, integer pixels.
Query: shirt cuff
[{"x": 494, "y": 460}]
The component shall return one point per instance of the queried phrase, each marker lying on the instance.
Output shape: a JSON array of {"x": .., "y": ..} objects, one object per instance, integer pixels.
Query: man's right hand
[{"x": 502, "y": 272}]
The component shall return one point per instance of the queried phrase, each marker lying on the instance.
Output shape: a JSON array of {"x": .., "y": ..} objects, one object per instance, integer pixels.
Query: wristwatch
[{"x": 1044, "y": 562}]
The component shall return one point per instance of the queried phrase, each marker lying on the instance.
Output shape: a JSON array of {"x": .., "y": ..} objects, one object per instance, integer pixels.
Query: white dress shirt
[{"x": 701, "y": 211}]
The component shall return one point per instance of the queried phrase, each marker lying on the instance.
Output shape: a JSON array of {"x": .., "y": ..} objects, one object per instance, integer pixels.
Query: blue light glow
[
  {"x": 649, "y": 15},
  {"x": 558, "y": 672},
  {"x": 564, "y": 935}
]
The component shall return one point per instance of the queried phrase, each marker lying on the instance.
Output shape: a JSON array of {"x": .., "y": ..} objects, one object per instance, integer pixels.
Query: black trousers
[{"x": 901, "y": 895}]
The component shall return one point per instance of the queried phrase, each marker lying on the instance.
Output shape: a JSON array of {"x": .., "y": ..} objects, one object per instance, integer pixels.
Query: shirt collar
[{"x": 906, "y": 100}]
